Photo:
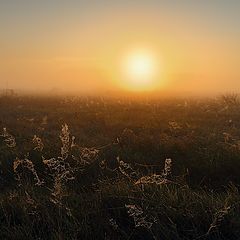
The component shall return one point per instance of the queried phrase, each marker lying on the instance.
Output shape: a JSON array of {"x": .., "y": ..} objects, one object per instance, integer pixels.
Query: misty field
[{"x": 119, "y": 168}]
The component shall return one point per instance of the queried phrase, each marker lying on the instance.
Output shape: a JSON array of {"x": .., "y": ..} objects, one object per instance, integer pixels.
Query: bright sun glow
[{"x": 139, "y": 70}]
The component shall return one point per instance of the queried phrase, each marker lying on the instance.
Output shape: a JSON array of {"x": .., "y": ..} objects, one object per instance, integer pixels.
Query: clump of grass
[
  {"x": 158, "y": 179},
  {"x": 25, "y": 164},
  {"x": 230, "y": 99},
  {"x": 8, "y": 138},
  {"x": 38, "y": 143},
  {"x": 120, "y": 199}
]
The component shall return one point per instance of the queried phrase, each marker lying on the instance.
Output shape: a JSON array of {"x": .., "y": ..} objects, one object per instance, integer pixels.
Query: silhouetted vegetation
[{"x": 119, "y": 168}]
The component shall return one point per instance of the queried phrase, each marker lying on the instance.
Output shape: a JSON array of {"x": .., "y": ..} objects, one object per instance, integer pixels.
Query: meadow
[{"x": 119, "y": 168}]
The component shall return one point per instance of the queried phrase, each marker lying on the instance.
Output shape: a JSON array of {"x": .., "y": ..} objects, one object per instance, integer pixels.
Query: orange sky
[{"x": 79, "y": 46}]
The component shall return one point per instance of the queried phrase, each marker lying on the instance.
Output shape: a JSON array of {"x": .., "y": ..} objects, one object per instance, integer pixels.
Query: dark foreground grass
[
  {"x": 93, "y": 192},
  {"x": 168, "y": 212}
]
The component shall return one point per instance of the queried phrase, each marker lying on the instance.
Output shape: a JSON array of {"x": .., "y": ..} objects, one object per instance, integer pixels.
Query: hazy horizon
[{"x": 79, "y": 46}]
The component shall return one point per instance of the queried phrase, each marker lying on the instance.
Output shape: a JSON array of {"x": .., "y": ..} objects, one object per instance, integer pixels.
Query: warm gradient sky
[{"x": 79, "y": 45}]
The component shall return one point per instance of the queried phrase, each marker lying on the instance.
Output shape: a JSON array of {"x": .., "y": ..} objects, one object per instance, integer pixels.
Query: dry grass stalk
[
  {"x": 8, "y": 138},
  {"x": 28, "y": 164},
  {"x": 138, "y": 216},
  {"x": 38, "y": 144}
]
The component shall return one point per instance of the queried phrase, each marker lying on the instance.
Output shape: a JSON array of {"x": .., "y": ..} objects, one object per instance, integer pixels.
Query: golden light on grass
[{"x": 140, "y": 70}]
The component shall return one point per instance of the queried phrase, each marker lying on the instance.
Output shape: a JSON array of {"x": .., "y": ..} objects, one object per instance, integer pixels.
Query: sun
[{"x": 139, "y": 68}]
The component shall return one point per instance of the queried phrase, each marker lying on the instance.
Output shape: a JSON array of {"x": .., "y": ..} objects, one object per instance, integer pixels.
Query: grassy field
[{"x": 119, "y": 168}]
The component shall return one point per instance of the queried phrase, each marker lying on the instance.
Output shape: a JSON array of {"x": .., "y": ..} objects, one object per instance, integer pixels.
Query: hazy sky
[{"x": 78, "y": 45}]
